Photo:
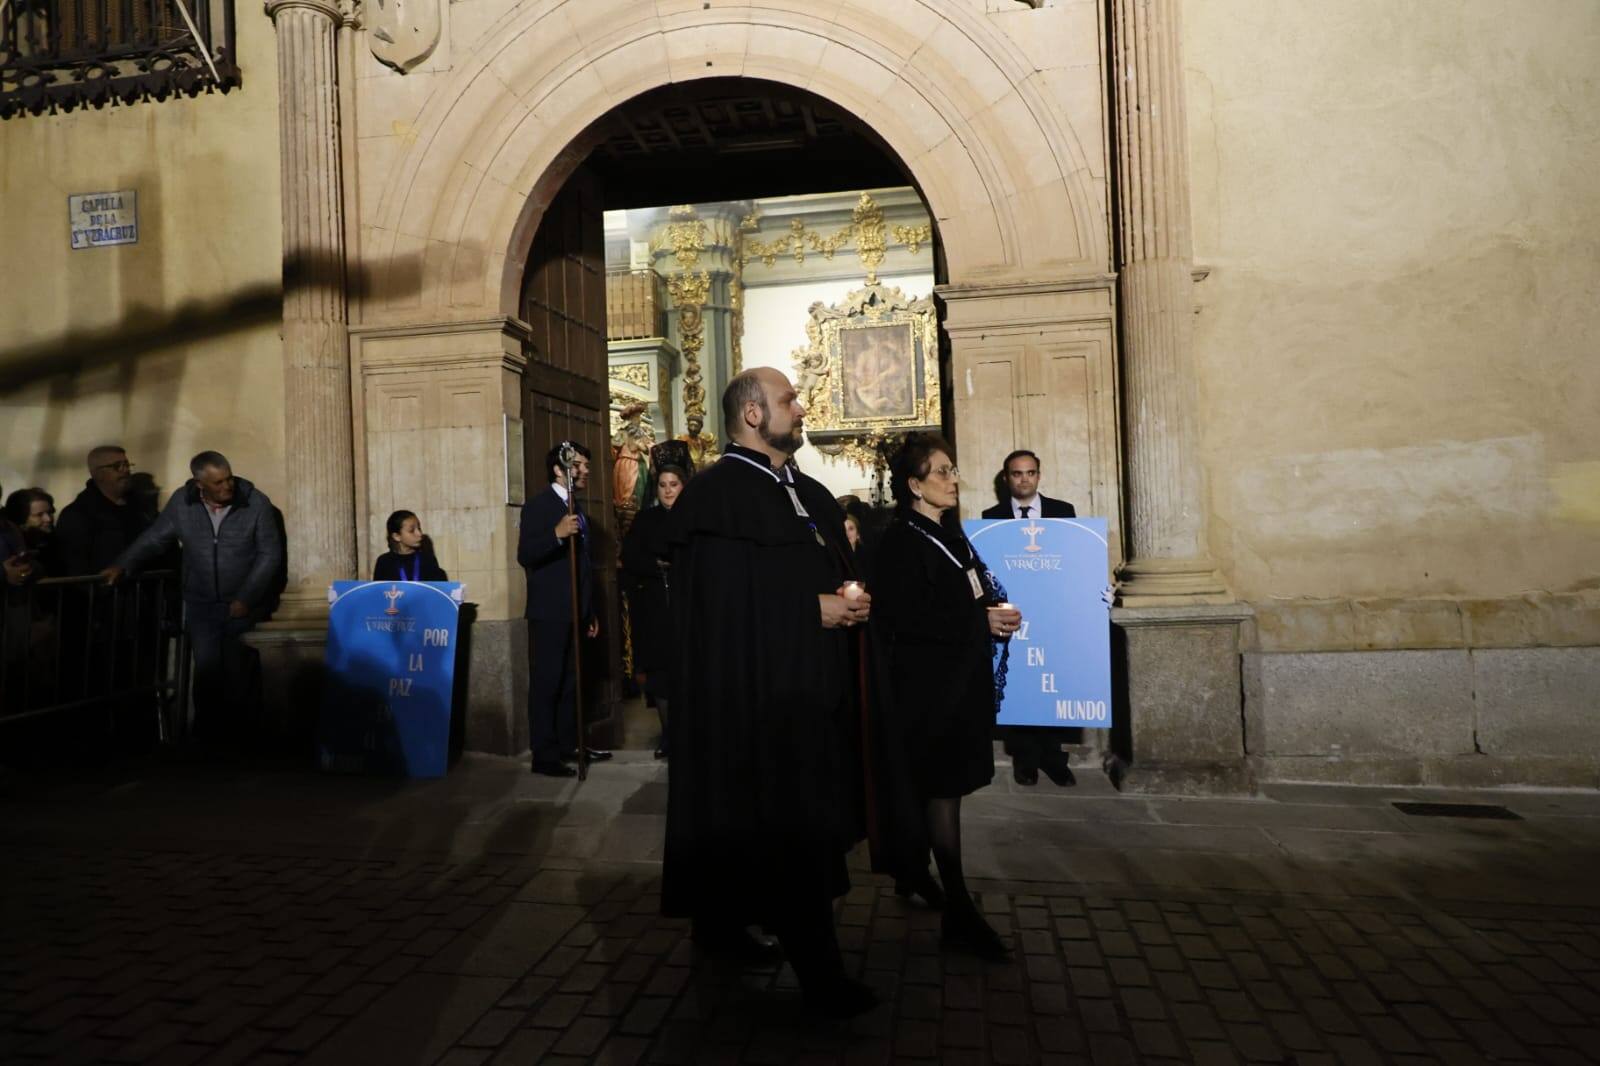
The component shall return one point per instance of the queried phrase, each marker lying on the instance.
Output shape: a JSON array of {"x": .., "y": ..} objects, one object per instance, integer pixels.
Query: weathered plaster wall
[
  {"x": 1397, "y": 339},
  {"x": 168, "y": 346}
]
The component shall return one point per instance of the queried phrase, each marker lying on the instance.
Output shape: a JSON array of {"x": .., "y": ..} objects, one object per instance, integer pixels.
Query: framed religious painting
[{"x": 869, "y": 372}]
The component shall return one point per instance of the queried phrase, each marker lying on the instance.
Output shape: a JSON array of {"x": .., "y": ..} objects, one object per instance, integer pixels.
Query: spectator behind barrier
[
  {"x": 33, "y": 511},
  {"x": 232, "y": 546},
  {"x": 410, "y": 556},
  {"x": 105, "y": 519}
]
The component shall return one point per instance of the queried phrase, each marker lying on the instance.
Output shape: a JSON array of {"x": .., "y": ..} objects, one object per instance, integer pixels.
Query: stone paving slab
[{"x": 196, "y": 916}]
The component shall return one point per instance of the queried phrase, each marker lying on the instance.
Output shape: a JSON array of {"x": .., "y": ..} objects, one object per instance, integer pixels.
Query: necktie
[{"x": 1025, "y": 509}]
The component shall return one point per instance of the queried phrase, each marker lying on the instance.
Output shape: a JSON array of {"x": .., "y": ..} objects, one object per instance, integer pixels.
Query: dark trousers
[
  {"x": 1033, "y": 746},
  {"x": 552, "y": 689},
  {"x": 226, "y": 671}
]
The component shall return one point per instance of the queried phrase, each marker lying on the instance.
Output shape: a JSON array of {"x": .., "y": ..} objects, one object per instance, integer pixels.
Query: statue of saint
[
  {"x": 630, "y": 469},
  {"x": 702, "y": 446}
]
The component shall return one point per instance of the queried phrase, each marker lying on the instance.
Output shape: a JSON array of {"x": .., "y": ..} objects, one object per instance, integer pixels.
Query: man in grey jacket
[{"x": 232, "y": 552}]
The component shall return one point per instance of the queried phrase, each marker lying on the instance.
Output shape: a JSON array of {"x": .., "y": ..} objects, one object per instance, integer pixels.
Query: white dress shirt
[{"x": 1031, "y": 503}]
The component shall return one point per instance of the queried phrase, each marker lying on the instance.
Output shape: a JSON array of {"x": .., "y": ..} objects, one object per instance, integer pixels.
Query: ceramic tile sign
[
  {"x": 1058, "y": 666},
  {"x": 101, "y": 219}
]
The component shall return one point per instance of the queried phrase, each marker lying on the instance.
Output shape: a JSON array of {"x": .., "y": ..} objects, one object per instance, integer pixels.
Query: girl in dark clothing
[
  {"x": 410, "y": 557},
  {"x": 645, "y": 580},
  {"x": 935, "y": 616}
]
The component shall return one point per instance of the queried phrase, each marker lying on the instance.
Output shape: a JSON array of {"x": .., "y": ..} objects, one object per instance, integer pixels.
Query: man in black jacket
[
  {"x": 542, "y": 552},
  {"x": 232, "y": 552},
  {"x": 1032, "y": 748},
  {"x": 98, "y": 526}
]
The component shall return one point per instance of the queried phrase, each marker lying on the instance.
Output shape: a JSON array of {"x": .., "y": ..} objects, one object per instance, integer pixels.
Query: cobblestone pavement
[{"x": 180, "y": 915}]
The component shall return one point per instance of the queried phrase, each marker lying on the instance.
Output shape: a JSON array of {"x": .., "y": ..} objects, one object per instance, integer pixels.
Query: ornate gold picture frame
[{"x": 870, "y": 371}]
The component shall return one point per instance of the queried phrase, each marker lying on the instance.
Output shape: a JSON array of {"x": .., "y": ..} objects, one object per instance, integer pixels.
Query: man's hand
[
  {"x": 838, "y": 612},
  {"x": 237, "y": 609},
  {"x": 594, "y": 628},
  {"x": 567, "y": 526},
  {"x": 860, "y": 603},
  {"x": 111, "y": 574},
  {"x": 18, "y": 569},
  {"x": 1003, "y": 623}
]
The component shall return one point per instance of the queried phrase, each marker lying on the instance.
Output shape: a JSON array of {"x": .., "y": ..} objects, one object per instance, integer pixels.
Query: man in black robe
[{"x": 764, "y": 795}]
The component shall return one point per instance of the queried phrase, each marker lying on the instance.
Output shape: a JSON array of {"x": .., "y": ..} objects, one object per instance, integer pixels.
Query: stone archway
[
  {"x": 1014, "y": 196},
  {"x": 1020, "y": 209}
]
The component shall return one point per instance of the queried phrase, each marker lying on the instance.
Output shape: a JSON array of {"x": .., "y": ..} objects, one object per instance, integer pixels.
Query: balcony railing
[
  {"x": 636, "y": 305},
  {"x": 61, "y": 54}
]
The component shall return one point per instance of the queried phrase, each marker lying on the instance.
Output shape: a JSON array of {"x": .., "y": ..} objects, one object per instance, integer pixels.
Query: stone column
[
  {"x": 1168, "y": 558},
  {"x": 319, "y": 505}
]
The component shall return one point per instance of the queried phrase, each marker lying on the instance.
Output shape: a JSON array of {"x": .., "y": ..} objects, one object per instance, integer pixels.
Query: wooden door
[{"x": 565, "y": 398}]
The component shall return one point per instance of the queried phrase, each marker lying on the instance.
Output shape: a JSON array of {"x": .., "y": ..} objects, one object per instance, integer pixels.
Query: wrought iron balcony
[{"x": 56, "y": 55}]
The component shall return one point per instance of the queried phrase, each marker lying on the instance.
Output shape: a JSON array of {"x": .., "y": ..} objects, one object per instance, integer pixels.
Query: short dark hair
[
  {"x": 912, "y": 461},
  {"x": 1020, "y": 453},
  {"x": 552, "y": 458},
  {"x": 206, "y": 460},
  {"x": 745, "y": 388},
  {"x": 100, "y": 451},
  {"x": 19, "y": 503}
]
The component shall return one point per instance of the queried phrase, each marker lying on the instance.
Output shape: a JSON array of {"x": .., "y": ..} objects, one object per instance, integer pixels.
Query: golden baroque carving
[
  {"x": 689, "y": 294},
  {"x": 685, "y": 237},
  {"x": 636, "y": 374},
  {"x": 866, "y": 232},
  {"x": 869, "y": 372},
  {"x": 913, "y": 237}
]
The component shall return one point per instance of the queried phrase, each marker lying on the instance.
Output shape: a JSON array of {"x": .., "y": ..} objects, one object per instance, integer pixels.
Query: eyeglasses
[
  {"x": 121, "y": 465},
  {"x": 945, "y": 473}
]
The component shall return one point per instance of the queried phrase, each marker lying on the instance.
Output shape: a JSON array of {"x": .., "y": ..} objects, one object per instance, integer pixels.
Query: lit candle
[{"x": 853, "y": 590}]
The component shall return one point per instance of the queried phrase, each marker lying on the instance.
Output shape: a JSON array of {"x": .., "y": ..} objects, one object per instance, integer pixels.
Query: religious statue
[
  {"x": 702, "y": 446},
  {"x": 630, "y": 470}
]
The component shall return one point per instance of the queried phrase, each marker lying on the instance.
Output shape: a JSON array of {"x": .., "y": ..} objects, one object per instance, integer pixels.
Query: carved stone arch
[{"x": 1005, "y": 180}]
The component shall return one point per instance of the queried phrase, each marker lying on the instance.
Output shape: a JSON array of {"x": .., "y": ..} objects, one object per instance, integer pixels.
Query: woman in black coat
[
  {"x": 935, "y": 618},
  {"x": 645, "y": 580}
]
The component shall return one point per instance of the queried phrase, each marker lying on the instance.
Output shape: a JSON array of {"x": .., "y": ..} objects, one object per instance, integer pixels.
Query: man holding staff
[{"x": 549, "y": 529}]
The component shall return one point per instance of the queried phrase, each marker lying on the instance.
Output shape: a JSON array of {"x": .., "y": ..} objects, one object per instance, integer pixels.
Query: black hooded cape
[{"x": 764, "y": 792}]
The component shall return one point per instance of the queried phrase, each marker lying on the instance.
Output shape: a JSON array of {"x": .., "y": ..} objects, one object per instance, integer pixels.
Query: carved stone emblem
[{"x": 403, "y": 32}]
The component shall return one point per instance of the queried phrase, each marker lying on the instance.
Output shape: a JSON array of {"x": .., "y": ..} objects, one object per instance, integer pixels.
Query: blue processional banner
[
  {"x": 1054, "y": 572},
  {"x": 391, "y": 672}
]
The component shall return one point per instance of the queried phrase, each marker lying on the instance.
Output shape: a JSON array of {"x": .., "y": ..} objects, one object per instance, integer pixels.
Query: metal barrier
[{"x": 74, "y": 643}]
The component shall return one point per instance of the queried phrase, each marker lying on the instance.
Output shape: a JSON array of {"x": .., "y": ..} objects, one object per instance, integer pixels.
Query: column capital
[{"x": 329, "y": 9}]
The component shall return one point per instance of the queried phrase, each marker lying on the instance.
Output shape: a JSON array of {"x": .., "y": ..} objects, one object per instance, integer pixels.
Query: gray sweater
[{"x": 238, "y": 560}]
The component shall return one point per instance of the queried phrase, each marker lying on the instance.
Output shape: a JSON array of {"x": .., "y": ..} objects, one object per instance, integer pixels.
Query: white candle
[
  {"x": 1002, "y": 607},
  {"x": 853, "y": 590}
]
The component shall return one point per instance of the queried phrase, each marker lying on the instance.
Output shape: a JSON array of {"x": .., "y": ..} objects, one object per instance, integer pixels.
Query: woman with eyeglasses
[{"x": 935, "y": 618}]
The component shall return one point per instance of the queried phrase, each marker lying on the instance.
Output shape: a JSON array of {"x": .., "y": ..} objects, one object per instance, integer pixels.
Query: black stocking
[
  {"x": 944, "y": 834},
  {"x": 661, "y": 712}
]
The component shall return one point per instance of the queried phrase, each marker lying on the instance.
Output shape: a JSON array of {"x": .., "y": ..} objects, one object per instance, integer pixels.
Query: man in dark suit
[
  {"x": 1032, "y": 748},
  {"x": 542, "y": 552}
]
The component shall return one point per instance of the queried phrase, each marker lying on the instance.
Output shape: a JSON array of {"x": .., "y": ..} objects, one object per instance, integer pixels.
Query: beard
[{"x": 789, "y": 442}]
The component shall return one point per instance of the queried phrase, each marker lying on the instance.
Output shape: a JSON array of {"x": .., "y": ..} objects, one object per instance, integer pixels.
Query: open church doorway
[{"x": 705, "y": 228}]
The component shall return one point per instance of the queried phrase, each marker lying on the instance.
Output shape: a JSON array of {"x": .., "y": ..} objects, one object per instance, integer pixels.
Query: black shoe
[
  {"x": 840, "y": 998},
  {"x": 1060, "y": 773},
  {"x": 595, "y": 755},
  {"x": 924, "y": 886},
  {"x": 736, "y": 944},
  {"x": 553, "y": 769},
  {"x": 661, "y": 753},
  {"x": 969, "y": 934},
  {"x": 1024, "y": 777}
]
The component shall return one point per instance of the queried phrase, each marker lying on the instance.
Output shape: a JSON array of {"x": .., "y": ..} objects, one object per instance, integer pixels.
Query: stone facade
[{"x": 1363, "y": 438}]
